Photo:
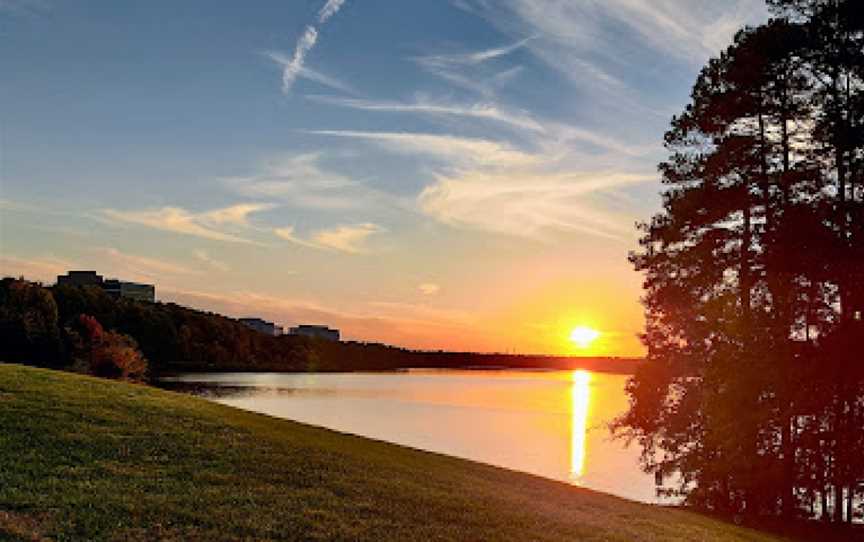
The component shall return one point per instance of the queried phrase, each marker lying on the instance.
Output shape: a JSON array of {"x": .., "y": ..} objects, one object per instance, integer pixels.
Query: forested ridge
[{"x": 751, "y": 400}]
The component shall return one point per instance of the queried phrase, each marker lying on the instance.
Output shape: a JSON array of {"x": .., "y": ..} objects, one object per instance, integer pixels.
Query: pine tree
[{"x": 753, "y": 394}]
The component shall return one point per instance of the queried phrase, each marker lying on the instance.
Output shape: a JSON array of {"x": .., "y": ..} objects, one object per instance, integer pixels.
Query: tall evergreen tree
[{"x": 751, "y": 400}]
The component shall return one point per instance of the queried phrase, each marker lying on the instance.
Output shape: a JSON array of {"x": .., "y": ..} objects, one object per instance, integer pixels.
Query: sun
[{"x": 583, "y": 337}]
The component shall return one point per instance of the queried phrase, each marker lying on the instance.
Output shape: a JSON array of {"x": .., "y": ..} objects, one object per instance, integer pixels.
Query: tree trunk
[
  {"x": 838, "y": 503},
  {"x": 763, "y": 165},
  {"x": 823, "y": 495},
  {"x": 788, "y": 495},
  {"x": 745, "y": 274},
  {"x": 784, "y": 141},
  {"x": 786, "y": 444}
]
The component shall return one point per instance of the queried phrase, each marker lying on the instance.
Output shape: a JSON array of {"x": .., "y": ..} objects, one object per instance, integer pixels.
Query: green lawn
[{"x": 88, "y": 459}]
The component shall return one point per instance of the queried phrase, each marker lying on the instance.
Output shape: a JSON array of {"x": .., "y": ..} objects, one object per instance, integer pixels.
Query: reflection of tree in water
[
  {"x": 215, "y": 390},
  {"x": 208, "y": 390}
]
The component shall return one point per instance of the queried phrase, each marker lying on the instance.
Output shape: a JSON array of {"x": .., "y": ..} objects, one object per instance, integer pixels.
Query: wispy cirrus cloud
[
  {"x": 235, "y": 214},
  {"x": 329, "y": 9},
  {"x": 487, "y": 111},
  {"x": 207, "y": 224},
  {"x": 134, "y": 265},
  {"x": 609, "y": 49},
  {"x": 686, "y": 29},
  {"x": 691, "y": 30},
  {"x": 289, "y": 233},
  {"x": 530, "y": 202},
  {"x": 294, "y": 66},
  {"x": 350, "y": 239},
  {"x": 300, "y": 180},
  {"x": 493, "y": 186},
  {"x": 291, "y": 67},
  {"x": 455, "y": 149},
  {"x": 464, "y": 68},
  {"x": 474, "y": 57},
  {"x": 504, "y": 76},
  {"x": 545, "y": 134}
]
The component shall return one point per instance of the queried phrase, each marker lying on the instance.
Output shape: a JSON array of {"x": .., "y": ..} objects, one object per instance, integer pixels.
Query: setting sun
[
  {"x": 464, "y": 252},
  {"x": 583, "y": 337}
]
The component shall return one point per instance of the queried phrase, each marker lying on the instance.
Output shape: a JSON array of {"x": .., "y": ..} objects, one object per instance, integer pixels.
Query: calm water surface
[{"x": 549, "y": 423}]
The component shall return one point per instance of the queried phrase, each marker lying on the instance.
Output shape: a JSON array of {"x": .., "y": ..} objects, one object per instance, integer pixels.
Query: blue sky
[{"x": 461, "y": 174}]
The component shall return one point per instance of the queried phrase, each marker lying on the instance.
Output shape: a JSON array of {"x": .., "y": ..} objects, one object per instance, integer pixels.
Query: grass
[{"x": 89, "y": 459}]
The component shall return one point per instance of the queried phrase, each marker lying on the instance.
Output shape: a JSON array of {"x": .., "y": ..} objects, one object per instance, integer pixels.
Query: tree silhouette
[{"x": 752, "y": 400}]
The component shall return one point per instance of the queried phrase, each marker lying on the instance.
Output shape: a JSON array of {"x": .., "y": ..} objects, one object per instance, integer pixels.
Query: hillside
[{"x": 98, "y": 460}]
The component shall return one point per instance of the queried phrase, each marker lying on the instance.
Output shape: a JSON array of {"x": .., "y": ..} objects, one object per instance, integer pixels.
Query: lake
[{"x": 549, "y": 423}]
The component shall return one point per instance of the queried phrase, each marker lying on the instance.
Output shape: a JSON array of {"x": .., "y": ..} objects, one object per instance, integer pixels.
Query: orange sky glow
[{"x": 463, "y": 176}]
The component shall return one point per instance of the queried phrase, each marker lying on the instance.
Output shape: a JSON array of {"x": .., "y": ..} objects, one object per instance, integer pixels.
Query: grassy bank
[{"x": 88, "y": 459}]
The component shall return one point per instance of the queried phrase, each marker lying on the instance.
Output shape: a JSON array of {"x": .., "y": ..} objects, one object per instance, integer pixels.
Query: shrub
[{"x": 107, "y": 354}]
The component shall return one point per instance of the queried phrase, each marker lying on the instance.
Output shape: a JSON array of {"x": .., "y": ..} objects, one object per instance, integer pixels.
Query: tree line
[
  {"x": 85, "y": 329},
  {"x": 751, "y": 400},
  {"x": 58, "y": 326}
]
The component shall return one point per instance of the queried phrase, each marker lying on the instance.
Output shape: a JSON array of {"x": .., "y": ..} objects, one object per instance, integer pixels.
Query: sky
[{"x": 459, "y": 175}]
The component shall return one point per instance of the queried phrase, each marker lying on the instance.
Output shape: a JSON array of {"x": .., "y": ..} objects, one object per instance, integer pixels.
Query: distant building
[
  {"x": 113, "y": 287},
  {"x": 320, "y": 332},
  {"x": 80, "y": 278},
  {"x": 263, "y": 326},
  {"x": 130, "y": 290}
]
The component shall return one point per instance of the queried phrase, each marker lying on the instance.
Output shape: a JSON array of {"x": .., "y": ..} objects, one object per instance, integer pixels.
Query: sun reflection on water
[{"x": 580, "y": 399}]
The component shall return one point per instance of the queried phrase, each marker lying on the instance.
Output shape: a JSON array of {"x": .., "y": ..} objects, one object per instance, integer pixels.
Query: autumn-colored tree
[{"x": 108, "y": 354}]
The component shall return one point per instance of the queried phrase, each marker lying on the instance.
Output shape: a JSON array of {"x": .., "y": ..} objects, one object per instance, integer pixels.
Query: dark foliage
[
  {"x": 29, "y": 324},
  {"x": 106, "y": 354},
  {"x": 171, "y": 337},
  {"x": 752, "y": 398}
]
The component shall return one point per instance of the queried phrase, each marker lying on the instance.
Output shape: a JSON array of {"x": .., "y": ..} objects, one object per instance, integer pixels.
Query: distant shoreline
[{"x": 448, "y": 361}]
